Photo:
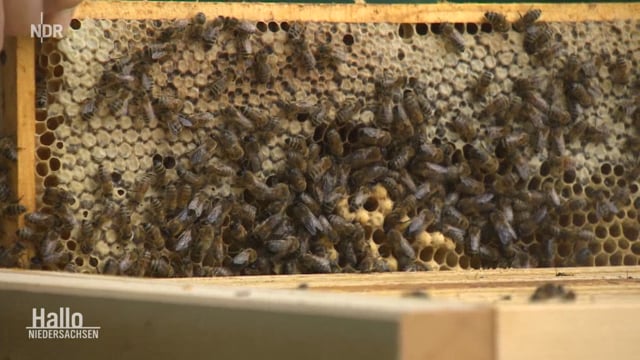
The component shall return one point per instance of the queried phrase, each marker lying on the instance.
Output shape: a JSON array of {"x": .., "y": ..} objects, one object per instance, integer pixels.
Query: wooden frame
[
  {"x": 478, "y": 314},
  {"x": 469, "y": 315}
]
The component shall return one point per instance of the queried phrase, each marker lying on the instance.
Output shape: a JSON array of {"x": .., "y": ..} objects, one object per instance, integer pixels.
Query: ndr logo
[
  {"x": 61, "y": 325},
  {"x": 42, "y": 30}
]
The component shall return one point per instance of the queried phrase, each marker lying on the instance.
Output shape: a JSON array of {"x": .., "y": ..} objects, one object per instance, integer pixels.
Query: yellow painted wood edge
[{"x": 394, "y": 13}]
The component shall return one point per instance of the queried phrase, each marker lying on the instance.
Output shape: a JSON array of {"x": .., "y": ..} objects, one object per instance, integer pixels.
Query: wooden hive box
[{"x": 483, "y": 314}]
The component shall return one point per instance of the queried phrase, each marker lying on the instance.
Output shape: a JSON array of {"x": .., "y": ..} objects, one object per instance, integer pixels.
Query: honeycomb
[{"x": 209, "y": 147}]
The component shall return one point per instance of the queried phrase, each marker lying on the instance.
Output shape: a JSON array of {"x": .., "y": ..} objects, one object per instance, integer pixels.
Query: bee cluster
[{"x": 208, "y": 147}]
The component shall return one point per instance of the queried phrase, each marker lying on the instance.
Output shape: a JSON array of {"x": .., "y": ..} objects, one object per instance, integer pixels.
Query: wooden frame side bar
[
  {"x": 394, "y": 13},
  {"x": 18, "y": 83}
]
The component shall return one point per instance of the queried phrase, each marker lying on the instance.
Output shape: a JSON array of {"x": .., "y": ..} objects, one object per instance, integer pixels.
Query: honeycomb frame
[{"x": 441, "y": 251}]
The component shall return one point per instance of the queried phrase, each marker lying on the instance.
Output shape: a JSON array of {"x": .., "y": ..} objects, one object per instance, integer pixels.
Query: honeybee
[
  {"x": 503, "y": 228},
  {"x": 549, "y": 291},
  {"x": 185, "y": 238},
  {"x": 402, "y": 158},
  {"x": 140, "y": 188},
  {"x": 558, "y": 142},
  {"x": 315, "y": 264},
  {"x": 535, "y": 116},
  {"x": 219, "y": 213},
  {"x": 334, "y": 142},
  {"x": 363, "y": 157},
  {"x": 202, "y": 153},
  {"x": 280, "y": 248},
  {"x": 173, "y": 123},
  {"x": 206, "y": 234},
  {"x": 482, "y": 85},
  {"x": 244, "y": 258},
  {"x": 619, "y": 71},
  {"x": 402, "y": 250},
  {"x": 463, "y": 126},
  {"x": 40, "y": 220},
  {"x": 298, "y": 144},
  {"x": 42, "y": 95},
  {"x": 369, "y": 174},
  {"x": 318, "y": 114},
  {"x": 160, "y": 267},
  {"x": 261, "y": 66},
  {"x": 537, "y": 38},
  {"x": 470, "y": 186},
  {"x": 210, "y": 35},
  {"x": 573, "y": 205},
  {"x": 306, "y": 217},
  {"x": 196, "y": 26},
  {"x": 88, "y": 109},
  {"x": 263, "y": 230},
  {"x": 296, "y": 160},
  {"x": 28, "y": 234},
  {"x": 453, "y": 216},
  {"x": 497, "y": 107},
  {"x": 230, "y": 144},
  {"x": 296, "y": 32},
  {"x": 419, "y": 223},
  {"x": 394, "y": 189},
  {"x": 233, "y": 115},
  {"x": 453, "y": 36},
  {"x": 193, "y": 179},
  {"x": 429, "y": 153},
  {"x": 348, "y": 111},
  {"x": 310, "y": 202},
  {"x": 526, "y": 20},
  {"x": 579, "y": 93},
  {"x": 53, "y": 253},
  {"x": 411, "y": 105},
  {"x": 384, "y": 113},
  {"x": 13, "y": 210},
  {"x": 372, "y": 136},
  {"x": 219, "y": 86},
  {"x": 558, "y": 116},
  {"x": 515, "y": 140},
  {"x": 604, "y": 207},
  {"x": 445, "y": 173},
  {"x": 454, "y": 233},
  {"x": 498, "y": 21},
  {"x": 473, "y": 240},
  {"x": 157, "y": 51},
  {"x": 8, "y": 148},
  {"x": 304, "y": 54},
  {"x": 258, "y": 118},
  {"x": 316, "y": 171}
]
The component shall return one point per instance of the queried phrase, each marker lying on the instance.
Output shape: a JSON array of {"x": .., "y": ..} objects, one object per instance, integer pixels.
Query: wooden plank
[
  {"x": 183, "y": 320},
  {"x": 609, "y": 284},
  {"x": 567, "y": 331},
  {"x": 396, "y": 13},
  {"x": 18, "y": 81}
]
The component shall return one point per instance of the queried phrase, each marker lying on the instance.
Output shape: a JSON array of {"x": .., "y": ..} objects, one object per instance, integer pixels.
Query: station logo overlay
[
  {"x": 60, "y": 325},
  {"x": 43, "y": 31}
]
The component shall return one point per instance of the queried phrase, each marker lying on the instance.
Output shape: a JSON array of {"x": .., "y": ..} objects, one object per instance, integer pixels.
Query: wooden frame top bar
[{"x": 393, "y": 13}]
